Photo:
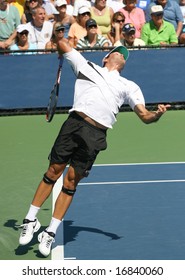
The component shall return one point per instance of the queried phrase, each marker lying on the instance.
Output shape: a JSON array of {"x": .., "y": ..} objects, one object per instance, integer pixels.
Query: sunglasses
[
  {"x": 60, "y": 30},
  {"x": 92, "y": 26},
  {"x": 30, "y": 1},
  {"x": 24, "y": 33},
  {"x": 85, "y": 14},
  {"x": 119, "y": 20}
]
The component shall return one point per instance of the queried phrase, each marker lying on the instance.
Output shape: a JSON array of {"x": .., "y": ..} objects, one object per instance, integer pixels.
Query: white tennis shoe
[
  {"x": 46, "y": 239},
  {"x": 28, "y": 230}
]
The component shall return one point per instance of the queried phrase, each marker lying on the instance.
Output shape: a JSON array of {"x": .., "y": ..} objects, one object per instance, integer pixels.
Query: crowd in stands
[{"x": 35, "y": 24}]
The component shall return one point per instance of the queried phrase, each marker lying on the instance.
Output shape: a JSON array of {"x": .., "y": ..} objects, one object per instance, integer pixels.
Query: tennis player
[{"x": 99, "y": 93}]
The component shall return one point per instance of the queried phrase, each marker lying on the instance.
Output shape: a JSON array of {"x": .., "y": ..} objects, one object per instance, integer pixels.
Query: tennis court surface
[{"x": 131, "y": 207}]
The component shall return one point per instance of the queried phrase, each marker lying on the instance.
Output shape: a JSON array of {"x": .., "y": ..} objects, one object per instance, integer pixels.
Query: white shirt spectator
[{"x": 40, "y": 36}]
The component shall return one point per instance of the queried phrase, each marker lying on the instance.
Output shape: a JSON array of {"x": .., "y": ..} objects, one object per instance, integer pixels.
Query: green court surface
[{"x": 26, "y": 143}]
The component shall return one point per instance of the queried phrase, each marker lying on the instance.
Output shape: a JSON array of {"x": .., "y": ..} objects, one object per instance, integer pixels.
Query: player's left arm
[{"x": 150, "y": 116}]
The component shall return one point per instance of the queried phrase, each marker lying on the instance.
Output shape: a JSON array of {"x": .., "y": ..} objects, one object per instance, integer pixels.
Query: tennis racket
[{"x": 52, "y": 104}]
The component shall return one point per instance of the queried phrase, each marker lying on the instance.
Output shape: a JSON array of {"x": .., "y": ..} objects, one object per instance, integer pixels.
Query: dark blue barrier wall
[{"x": 26, "y": 80}]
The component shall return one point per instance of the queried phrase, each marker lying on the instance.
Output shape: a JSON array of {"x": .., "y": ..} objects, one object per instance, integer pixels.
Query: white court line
[
  {"x": 57, "y": 252},
  {"x": 133, "y": 182},
  {"x": 136, "y": 182},
  {"x": 144, "y": 163}
]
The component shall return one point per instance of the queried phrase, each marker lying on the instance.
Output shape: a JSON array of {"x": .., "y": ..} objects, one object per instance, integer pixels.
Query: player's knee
[
  {"x": 67, "y": 191},
  {"x": 48, "y": 180}
]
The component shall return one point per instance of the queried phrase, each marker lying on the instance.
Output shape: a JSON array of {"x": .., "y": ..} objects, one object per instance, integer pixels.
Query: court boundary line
[
  {"x": 57, "y": 252},
  {"x": 136, "y": 182},
  {"x": 141, "y": 163},
  {"x": 133, "y": 182}
]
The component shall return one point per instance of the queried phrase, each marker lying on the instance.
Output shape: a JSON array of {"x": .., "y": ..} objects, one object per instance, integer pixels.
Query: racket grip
[{"x": 61, "y": 59}]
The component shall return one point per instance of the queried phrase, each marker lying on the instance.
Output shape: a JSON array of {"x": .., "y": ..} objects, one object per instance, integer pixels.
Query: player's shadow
[{"x": 71, "y": 232}]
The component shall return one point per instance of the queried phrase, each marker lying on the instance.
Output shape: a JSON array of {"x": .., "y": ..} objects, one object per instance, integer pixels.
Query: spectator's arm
[
  {"x": 10, "y": 40},
  {"x": 179, "y": 28}
]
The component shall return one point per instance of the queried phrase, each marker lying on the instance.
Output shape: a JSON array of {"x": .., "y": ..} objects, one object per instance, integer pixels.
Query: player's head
[{"x": 117, "y": 57}]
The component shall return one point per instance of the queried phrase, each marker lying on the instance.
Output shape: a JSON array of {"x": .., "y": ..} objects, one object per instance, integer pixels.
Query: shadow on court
[{"x": 71, "y": 232}]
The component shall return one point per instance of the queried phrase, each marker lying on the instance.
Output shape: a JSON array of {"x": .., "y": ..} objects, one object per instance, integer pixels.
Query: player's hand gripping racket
[{"x": 52, "y": 104}]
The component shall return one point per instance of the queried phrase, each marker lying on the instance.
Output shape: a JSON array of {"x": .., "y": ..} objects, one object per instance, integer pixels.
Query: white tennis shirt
[{"x": 100, "y": 95}]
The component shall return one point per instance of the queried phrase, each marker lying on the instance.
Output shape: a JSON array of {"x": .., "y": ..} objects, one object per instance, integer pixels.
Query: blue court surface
[{"x": 127, "y": 212}]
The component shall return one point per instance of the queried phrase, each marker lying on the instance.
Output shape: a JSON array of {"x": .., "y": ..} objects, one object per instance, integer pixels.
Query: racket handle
[{"x": 61, "y": 58}]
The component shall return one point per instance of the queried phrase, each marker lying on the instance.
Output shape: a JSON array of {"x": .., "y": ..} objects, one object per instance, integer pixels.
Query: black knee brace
[
  {"x": 68, "y": 191},
  {"x": 47, "y": 180}
]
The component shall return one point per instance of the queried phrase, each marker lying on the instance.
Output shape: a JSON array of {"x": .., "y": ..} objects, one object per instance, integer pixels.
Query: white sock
[
  {"x": 32, "y": 213},
  {"x": 54, "y": 224}
]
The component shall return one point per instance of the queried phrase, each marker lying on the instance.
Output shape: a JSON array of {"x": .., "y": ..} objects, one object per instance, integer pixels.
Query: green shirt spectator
[
  {"x": 158, "y": 31},
  {"x": 9, "y": 20}
]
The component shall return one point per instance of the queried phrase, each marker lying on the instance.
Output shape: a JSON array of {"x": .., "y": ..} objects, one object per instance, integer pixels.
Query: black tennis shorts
[{"x": 78, "y": 143}]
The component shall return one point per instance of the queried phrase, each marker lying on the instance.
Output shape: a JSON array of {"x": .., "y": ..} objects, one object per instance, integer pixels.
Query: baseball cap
[
  {"x": 22, "y": 27},
  {"x": 83, "y": 10},
  {"x": 58, "y": 26},
  {"x": 59, "y": 3},
  {"x": 120, "y": 49},
  {"x": 128, "y": 28},
  {"x": 90, "y": 22},
  {"x": 156, "y": 10}
]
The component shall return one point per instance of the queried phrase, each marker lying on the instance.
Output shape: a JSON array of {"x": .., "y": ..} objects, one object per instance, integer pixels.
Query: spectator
[
  {"x": 40, "y": 30},
  {"x": 143, "y": 4},
  {"x": 19, "y": 4},
  {"x": 102, "y": 14},
  {"x": 78, "y": 29},
  {"x": 21, "y": 42},
  {"x": 9, "y": 20},
  {"x": 49, "y": 9},
  {"x": 78, "y": 4},
  {"x": 63, "y": 16},
  {"x": 129, "y": 37},
  {"x": 182, "y": 35},
  {"x": 70, "y": 7},
  {"x": 92, "y": 39},
  {"x": 116, "y": 5},
  {"x": 58, "y": 33},
  {"x": 133, "y": 15},
  {"x": 28, "y": 6},
  {"x": 158, "y": 31},
  {"x": 172, "y": 13},
  {"x": 115, "y": 33}
]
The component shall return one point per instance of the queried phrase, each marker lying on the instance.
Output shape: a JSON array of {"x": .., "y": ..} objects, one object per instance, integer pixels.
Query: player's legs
[
  {"x": 65, "y": 197},
  {"x": 30, "y": 223},
  {"x": 46, "y": 185},
  {"x": 88, "y": 141}
]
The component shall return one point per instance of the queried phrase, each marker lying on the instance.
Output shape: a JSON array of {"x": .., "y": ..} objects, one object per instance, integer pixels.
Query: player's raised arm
[{"x": 150, "y": 116}]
